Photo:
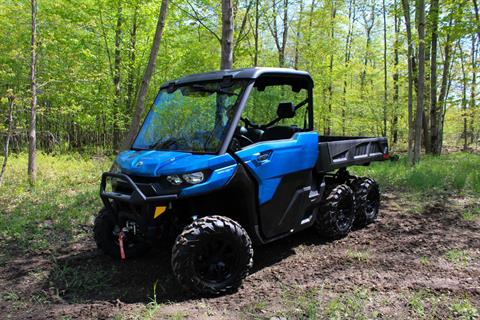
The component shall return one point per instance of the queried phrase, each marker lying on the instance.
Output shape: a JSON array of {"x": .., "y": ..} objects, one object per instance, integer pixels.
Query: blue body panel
[
  {"x": 279, "y": 158},
  {"x": 152, "y": 163}
]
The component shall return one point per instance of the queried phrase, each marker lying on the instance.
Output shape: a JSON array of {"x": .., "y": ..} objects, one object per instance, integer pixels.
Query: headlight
[
  {"x": 115, "y": 168},
  {"x": 174, "y": 180},
  {"x": 194, "y": 177}
]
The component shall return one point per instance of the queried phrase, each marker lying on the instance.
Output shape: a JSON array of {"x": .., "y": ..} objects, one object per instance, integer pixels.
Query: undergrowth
[
  {"x": 456, "y": 172},
  {"x": 64, "y": 198}
]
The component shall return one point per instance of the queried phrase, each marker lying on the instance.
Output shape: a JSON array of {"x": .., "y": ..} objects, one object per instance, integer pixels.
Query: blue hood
[{"x": 151, "y": 163}]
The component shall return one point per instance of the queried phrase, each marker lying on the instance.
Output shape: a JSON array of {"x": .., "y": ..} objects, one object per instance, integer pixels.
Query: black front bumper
[{"x": 136, "y": 197}]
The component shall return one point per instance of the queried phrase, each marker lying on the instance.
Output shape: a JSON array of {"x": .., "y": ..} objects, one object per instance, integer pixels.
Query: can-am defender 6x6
[{"x": 227, "y": 160}]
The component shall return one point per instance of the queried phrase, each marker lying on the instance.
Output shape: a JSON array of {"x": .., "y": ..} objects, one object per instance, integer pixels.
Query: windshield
[{"x": 191, "y": 118}]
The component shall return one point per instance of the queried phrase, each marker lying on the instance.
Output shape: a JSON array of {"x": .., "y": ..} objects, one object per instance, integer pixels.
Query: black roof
[{"x": 247, "y": 73}]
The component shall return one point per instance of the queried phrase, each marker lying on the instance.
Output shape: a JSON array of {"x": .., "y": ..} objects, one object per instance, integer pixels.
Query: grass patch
[
  {"x": 358, "y": 255},
  {"x": 349, "y": 306},
  {"x": 76, "y": 282},
  {"x": 459, "y": 172},
  {"x": 463, "y": 309},
  {"x": 424, "y": 304},
  {"x": 425, "y": 261},
  {"x": 458, "y": 257},
  {"x": 472, "y": 214},
  {"x": 64, "y": 197}
]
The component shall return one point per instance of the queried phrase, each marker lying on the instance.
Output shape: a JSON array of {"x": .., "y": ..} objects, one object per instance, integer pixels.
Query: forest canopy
[{"x": 91, "y": 56}]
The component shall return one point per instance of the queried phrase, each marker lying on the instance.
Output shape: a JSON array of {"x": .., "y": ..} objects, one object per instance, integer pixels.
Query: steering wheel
[
  {"x": 245, "y": 139},
  {"x": 250, "y": 124}
]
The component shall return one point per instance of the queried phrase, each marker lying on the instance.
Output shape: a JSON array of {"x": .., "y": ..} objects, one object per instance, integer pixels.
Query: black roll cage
[{"x": 258, "y": 77}]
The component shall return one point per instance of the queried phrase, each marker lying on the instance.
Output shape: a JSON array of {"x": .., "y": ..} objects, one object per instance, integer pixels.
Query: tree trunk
[
  {"x": 464, "y": 98},
  {"x": 257, "y": 21},
  {"x": 11, "y": 102},
  {"x": 420, "y": 4},
  {"x": 408, "y": 26},
  {"x": 328, "y": 119},
  {"x": 32, "y": 134},
  {"x": 131, "y": 65},
  {"x": 444, "y": 86},
  {"x": 385, "y": 72},
  {"x": 433, "y": 78},
  {"x": 348, "y": 50},
  {"x": 297, "y": 39},
  {"x": 473, "y": 88},
  {"x": 147, "y": 76},
  {"x": 116, "y": 78},
  {"x": 226, "y": 61},
  {"x": 369, "y": 23},
  {"x": 395, "y": 76}
]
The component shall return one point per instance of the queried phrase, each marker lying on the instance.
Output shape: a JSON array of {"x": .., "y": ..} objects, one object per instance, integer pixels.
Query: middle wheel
[
  {"x": 336, "y": 215},
  {"x": 212, "y": 255}
]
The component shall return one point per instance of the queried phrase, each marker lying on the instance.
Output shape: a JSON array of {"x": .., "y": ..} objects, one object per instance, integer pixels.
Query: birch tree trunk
[
  {"x": 147, "y": 76},
  {"x": 32, "y": 133}
]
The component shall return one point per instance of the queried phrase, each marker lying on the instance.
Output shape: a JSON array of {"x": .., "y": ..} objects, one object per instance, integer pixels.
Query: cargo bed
[{"x": 339, "y": 152}]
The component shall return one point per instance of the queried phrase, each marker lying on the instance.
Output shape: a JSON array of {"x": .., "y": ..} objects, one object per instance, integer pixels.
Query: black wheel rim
[
  {"x": 372, "y": 203},
  {"x": 216, "y": 261},
  {"x": 344, "y": 214}
]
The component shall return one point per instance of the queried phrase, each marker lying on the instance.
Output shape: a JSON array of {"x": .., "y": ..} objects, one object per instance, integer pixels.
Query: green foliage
[
  {"x": 64, "y": 198},
  {"x": 76, "y": 41},
  {"x": 464, "y": 310},
  {"x": 457, "y": 172},
  {"x": 458, "y": 257}
]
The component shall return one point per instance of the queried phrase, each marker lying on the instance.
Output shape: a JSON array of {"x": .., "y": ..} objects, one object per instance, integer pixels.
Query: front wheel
[
  {"x": 106, "y": 237},
  {"x": 212, "y": 256}
]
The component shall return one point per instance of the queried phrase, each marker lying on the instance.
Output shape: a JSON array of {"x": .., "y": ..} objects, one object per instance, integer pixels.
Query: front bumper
[{"x": 136, "y": 197}]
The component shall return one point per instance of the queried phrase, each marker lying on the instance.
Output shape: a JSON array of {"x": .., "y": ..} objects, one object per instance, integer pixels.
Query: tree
[
  {"x": 420, "y": 11},
  {"x": 11, "y": 103},
  {"x": 226, "y": 61},
  {"x": 117, "y": 76},
  {"x": 32, "y": 133},
  {"x": 410, "y": 57},
  {"x": 396, "y": 90},
  {"x": 434, "y": 118},
  {"x": 147, "y": 76},
  {"x": 280, "y": 35},
  {"x": 385, "y": 71}
]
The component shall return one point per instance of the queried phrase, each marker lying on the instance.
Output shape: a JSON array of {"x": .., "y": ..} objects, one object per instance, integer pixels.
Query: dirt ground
[{"x": 420, "y": 261}]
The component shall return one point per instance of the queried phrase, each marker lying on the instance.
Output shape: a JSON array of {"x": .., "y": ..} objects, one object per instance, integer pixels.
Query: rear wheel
[
  {"x": 106, "y": 237},
  {"x": 336, "y": 216},
  {"x": 367, "y": 197},
  {"x": 212, "y": 256}
]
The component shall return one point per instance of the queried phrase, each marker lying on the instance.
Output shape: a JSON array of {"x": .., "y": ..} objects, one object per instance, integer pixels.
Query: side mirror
[{"x": 286, "y": 110}]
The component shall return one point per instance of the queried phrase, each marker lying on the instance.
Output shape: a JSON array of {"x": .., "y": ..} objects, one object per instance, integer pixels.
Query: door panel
[{"x": 282, "y": 169}]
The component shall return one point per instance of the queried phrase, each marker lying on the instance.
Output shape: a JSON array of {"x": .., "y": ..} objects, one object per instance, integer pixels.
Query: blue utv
[{"x": 227, "y": 160}]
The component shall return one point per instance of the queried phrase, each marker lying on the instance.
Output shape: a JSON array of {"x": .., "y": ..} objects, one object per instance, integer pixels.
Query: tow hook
[{"x": 121, "y": 236}]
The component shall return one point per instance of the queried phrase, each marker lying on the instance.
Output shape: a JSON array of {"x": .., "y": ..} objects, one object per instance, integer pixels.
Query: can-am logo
[{"x": 139, "y": 164}]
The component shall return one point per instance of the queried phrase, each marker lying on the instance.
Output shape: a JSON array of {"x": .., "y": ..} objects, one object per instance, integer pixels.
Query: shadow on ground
[{"x": 90, "y": 276}]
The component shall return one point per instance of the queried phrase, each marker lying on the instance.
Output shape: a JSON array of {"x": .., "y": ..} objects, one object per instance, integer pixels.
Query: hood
[{"x": 152, "y": 163}]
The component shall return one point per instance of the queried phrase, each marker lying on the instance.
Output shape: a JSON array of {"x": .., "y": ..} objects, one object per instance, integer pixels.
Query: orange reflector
[{"x": 159, "y": 211}]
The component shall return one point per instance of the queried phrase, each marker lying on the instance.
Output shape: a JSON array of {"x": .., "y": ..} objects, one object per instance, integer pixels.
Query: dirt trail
[{"x": 434, "y": 254}]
